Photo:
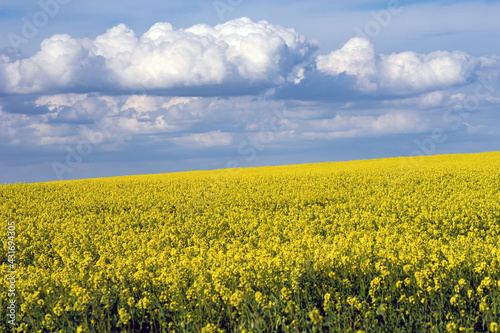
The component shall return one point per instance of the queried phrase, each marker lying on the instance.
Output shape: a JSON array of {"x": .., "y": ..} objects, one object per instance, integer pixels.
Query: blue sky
[{"x": 92, "y": 89}]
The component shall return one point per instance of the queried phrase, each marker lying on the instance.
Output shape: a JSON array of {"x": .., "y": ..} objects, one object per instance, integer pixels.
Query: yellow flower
[
  {"x": 260, "y": 298},
  {"x": 451, "y": 327},
  {"x": 486, "y": 282},
  {"x": 144, "y": 303},
  {"x": 236, "y": 298},
  {"x": 326, "y": 300},
  {"x": 210, "y": 328},
  {"x": 315, "y": 317},
  {"x": 184, "y": 248},
  {"x": 124, "y": 316},
  {"x": 483, "y": 306}
]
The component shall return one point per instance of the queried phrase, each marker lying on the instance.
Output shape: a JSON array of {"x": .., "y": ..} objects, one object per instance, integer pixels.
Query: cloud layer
[
  {"x": 400, "y": 73},
  {"x": 235, "y": 90},
  {"x": 237, "y": 52},
  {"x": 239, "y": 57}
]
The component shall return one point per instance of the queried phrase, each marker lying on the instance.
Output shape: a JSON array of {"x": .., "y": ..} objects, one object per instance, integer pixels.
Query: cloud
[
  {"x": 246, "y": 128},
  {"x": 238, "y": 52},
  {"x": 398, "y": 123},
  {"x": 146, "y": 103},
  {"x": 77, "y": 108},
  {"x": 359, "y": 125},
  {"x": 204, "y": 140},
  {"x": 69, "y": 119},
  {"x": 399, "y": 73},
  {"x": 355, "y": 58},
  {"x": 8, "y": 126},
  {"x": 63, "y": 63},
  {"x": 239, "y": 57},
  {"x": 410, "y": 71},
  {"x": 425, "y": 101}
]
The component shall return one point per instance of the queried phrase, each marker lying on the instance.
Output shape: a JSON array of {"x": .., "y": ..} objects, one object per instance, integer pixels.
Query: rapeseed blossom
[{"x": 350, "y": 246}]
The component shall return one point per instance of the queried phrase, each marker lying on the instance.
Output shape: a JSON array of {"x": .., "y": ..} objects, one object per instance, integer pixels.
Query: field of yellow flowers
[{"x": 390, "y": 245}]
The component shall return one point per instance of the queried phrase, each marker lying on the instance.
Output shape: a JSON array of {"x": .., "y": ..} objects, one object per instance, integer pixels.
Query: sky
[{"x": 98, "y": 89}]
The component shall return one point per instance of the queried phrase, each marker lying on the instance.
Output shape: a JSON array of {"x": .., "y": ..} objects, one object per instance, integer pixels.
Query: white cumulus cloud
[
  {"x": 356, "y": 58},
  {"x": 59, "y": 63},
  {"x": 410, "y": 71},
  {"x": 405, "y": 72},
  {"x": 236, "y": 52}
]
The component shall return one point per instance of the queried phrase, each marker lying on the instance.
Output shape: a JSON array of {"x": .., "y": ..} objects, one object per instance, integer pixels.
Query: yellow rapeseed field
[{"x": 390, "y": 245}]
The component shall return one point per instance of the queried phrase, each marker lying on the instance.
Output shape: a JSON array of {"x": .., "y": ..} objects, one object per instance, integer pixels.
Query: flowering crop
[{"x": 376, "y": 245}]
